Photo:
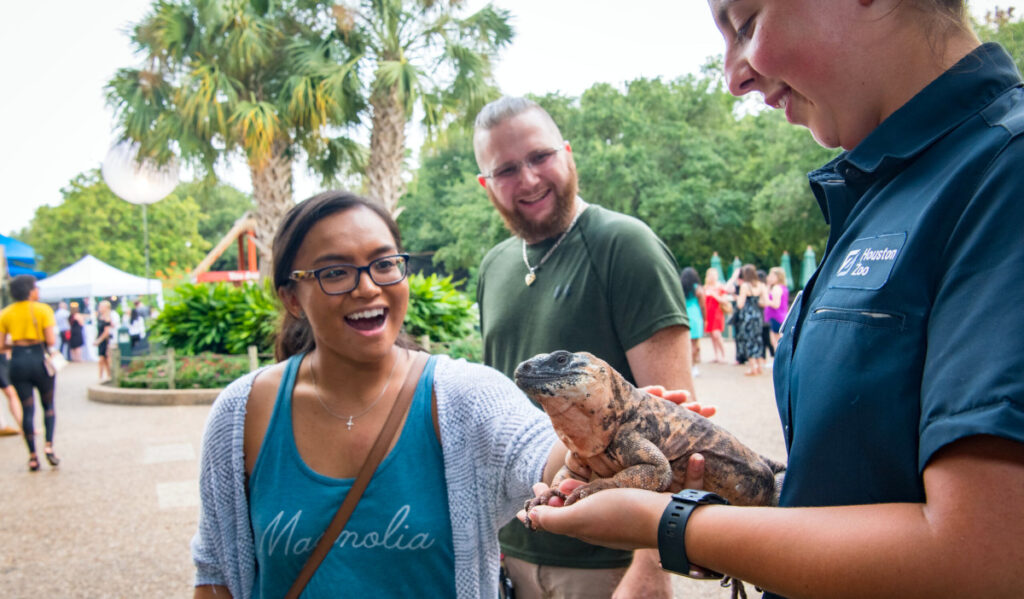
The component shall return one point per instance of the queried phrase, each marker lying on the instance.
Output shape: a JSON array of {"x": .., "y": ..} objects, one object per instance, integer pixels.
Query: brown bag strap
[{"x": 377, "y": 452}]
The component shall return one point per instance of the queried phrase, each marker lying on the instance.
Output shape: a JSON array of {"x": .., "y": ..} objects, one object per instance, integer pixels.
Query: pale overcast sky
[{"x": 58, "y": 55}]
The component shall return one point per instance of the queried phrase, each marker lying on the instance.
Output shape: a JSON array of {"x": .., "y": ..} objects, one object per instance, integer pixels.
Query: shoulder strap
[
  {"x": 35, "y": 323},
  {"x": 380, "y": 447}
]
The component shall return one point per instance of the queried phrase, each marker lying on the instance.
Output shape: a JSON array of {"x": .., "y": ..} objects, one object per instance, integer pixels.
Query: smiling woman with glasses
[{"x": 283, "y": 445}]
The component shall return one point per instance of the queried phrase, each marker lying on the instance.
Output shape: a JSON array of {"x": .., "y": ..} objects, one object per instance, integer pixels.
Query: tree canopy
[
  {"x": 92, "y": 220},
  {"x": 417, "y": 53}
]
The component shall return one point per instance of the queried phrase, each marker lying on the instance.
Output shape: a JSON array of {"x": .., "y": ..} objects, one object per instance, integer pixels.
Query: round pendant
[{"x": 530, "y": 278}]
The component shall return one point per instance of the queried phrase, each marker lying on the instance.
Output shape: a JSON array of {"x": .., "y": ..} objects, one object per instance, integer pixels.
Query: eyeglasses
[
  {"x": 510, "y": 171},
  {"x": 337, "y": 279}
]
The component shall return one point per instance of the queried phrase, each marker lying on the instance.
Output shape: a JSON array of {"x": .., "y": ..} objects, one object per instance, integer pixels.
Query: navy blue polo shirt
[{"x": 909, "y": 335}]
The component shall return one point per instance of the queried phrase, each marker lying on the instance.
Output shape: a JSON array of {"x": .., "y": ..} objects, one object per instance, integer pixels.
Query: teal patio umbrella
[
  {"x": 787, "y": 269},
  {"x": 716, "y": 263},
  {"x": 736, "y": 265},
  {"x": 808, "y": 267}
]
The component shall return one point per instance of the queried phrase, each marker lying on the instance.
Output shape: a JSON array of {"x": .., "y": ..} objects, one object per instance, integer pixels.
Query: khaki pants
[{"x": 532, "y": 581}]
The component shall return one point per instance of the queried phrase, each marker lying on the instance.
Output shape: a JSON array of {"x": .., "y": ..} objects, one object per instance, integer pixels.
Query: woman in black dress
[
  {"x": 104, "y": 330},
  {"x": 77, "y": 334},
  {"x": 750, "y": 300}
]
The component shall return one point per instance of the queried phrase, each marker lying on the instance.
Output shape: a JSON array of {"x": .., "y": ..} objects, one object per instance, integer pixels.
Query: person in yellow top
[{"x": 29, "y": 329}]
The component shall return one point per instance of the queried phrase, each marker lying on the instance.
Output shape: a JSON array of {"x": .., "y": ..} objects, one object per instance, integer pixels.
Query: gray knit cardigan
[{"x": 495, "y": 445}]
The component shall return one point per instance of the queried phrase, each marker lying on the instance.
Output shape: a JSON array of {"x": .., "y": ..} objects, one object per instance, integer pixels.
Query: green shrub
[
  {"x": 470, "y": 348},
  {"x": 218, "y": 318},
  {"x": 438, "y": 310},
  {"x": 203, "y": 371}
]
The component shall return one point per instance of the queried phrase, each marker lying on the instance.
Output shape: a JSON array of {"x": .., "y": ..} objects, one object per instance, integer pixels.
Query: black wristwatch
[{"x": 672, "y": 532}]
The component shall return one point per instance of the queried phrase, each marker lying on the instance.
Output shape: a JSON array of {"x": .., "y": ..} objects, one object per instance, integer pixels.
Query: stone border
[{"x": 152, "y": 397}]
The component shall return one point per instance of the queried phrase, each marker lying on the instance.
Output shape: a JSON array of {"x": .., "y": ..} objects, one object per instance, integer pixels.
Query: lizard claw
[{"x": 552, "y": 496}]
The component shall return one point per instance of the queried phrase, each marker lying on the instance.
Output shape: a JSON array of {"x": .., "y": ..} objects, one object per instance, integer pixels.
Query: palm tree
[
  {"x": 417, "y": 52},
  {"x": 265, "y": 79}
]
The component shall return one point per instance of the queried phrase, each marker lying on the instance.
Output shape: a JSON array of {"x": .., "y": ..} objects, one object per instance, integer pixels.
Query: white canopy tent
[{"x": 92, "y": 277}]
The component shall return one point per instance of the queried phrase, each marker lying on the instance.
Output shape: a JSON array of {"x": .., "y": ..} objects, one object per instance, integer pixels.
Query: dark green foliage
[
  {"x": 446, "y": 211},
  {"x": 471, "y": 348},
  {"x": 438, "y": 310},
  {"x": 218, "y": 318}
]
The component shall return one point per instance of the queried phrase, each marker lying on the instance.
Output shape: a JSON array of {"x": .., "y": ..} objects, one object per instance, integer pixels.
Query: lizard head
[{"x": 577, "y": 390}]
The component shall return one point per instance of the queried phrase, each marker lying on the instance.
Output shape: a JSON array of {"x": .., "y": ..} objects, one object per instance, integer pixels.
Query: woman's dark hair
[
  {"x": 749, "y": 273},
  {"x": 690, "y": 279},
  {"x": 22, "y": 286},
  {"x": 294, "y": 335}
]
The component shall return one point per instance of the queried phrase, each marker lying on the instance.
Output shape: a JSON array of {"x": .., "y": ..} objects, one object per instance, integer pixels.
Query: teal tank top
[{"x": 398, "y": 542}]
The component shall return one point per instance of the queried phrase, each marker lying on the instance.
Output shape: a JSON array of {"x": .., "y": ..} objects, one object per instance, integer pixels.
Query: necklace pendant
[
  {"x": 349, "y": 423},
  {"x": 530, "y": 278}
]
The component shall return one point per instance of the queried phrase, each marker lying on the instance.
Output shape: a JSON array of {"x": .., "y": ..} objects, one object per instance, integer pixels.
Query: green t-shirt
[{"x": 609, "y": 286}]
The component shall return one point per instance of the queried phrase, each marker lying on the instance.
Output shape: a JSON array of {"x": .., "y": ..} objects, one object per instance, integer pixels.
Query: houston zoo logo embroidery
[
  {"x": 857, "y": 262},
  {"x": 848, "y": 263}
]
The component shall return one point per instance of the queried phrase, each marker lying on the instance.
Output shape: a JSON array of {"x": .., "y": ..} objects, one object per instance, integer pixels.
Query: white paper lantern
[{"x": 135, "y": 182}]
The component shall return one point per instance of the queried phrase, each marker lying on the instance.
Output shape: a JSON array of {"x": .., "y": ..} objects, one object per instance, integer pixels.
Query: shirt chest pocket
[{"x": 865, "y": 317}]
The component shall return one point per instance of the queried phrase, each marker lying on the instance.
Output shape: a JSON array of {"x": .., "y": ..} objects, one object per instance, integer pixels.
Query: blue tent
[{"x": 21, "y": 258}]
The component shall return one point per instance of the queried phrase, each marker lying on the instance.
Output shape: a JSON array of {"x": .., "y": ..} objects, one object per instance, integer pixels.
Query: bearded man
[{"x": 581, "y": 278}]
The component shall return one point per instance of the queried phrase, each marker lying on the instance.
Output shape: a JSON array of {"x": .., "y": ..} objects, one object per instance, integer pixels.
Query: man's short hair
[
  {"x": 504, "y": 108},
  {"x": 22, "y": 286}
]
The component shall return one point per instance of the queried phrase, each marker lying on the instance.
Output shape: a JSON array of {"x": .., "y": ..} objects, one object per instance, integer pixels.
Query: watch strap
[{"x": 672, "y": 532}]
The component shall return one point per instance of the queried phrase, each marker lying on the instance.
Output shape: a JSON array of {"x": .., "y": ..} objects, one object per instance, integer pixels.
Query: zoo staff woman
[{"x": 899, "y": 377}]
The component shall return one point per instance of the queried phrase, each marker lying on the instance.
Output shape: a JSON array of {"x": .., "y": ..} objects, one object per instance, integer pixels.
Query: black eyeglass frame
[{"x": 301, "y": 275}]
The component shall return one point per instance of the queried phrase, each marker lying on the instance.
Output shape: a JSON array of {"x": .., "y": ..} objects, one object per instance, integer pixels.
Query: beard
[{"x": 564, "y": 211}]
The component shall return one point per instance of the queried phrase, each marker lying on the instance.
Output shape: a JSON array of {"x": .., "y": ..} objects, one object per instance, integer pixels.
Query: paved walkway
[{"x": 116, "y": 518}]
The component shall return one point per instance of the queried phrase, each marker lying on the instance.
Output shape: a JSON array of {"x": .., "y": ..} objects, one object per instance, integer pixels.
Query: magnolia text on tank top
[{"x": 396, "y": 536}]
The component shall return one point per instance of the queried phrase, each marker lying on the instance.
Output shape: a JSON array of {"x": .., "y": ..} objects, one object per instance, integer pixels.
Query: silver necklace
[
  {"x": 531, "y": 276},
  {"x": 351, "y": 418}
]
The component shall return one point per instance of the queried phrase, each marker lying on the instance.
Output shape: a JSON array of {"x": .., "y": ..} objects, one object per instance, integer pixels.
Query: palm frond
[
  {"x": 489, "y": 27},
  {"x": 205, "y": 98},
  {"x": 256, "y": 126},
  {"x": 168, "y": 34},
  {"x": 249, "y": 45},
  {"x": 335, "y": 157}
]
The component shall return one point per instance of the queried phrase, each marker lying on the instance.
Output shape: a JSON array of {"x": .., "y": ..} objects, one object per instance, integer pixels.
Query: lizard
[{"x": 620, "y": 436}]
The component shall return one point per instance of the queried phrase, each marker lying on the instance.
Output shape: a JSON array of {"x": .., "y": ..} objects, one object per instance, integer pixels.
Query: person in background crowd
[
  {"x": 63, "y": 326},
  {"x": 898, "y": 376},
  {"x": 777, "y": 305},
  {"x": 715, "y": 298},
  {"x": 136, "y": 327},
  {"x": 766, "y": 337},
  {"x": 574, "y": 276},
  {"x": 695, "y": 301},
  {"x": 32, "y": 330},
  {"x": 13, "y": 403},
  {"x": 104, "y": 332},
  {"x": 76, "y": 333},
  {"x": 750, "y": 301}
]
